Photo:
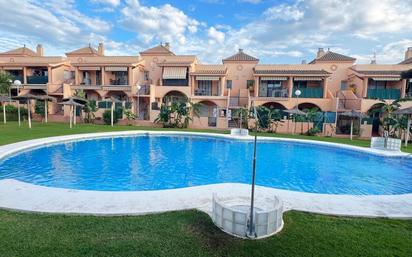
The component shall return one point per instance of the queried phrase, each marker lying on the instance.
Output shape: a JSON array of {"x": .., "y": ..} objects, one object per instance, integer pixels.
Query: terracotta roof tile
[
  {"x": 99, "y": 60},
  {"x": 22, "y": 51},
  {"x": 159, "y": 50},
  {"x": 297, "y": 72},
  {"x": 241, "y": 56},
  {"x": 88, "y": 50},
  {"x": 330, "y": 56},
  {"x": 407, "y": 61},
  {"x": 297, "y": 69},
  {"x": 380, "y": 72},
  {"x": 210, "y": 69}
]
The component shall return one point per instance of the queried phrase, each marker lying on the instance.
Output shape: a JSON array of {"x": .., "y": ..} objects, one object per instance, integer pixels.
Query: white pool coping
[{"x": 17, "y": 195}]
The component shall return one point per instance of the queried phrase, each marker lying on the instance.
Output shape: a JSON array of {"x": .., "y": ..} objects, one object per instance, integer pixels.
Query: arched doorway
[
  {"x": 305, "y": 106},
  {"x": 174, "y": 96},
  {"x": 210, "y": 110},
  {"x": 274, "y": 105},
  {"x": 375, "y": 114}
]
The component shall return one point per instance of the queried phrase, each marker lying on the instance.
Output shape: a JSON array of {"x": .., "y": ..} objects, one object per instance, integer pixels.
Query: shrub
[
  {"x": 12, "y": 113},
  {"x": 313, "y": 131},
  {"x": 39, "y": 108},
  {"x": 117, "y": 114}
]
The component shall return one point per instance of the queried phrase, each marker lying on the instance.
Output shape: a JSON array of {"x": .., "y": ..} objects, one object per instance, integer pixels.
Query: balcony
[
  {"x": 278, "y": 93},
  {"x": 144, "y": 90},
  {"x": 205, "y": 92},
  {"x": 37, "y": 80},
  {"x": 310, "y": 92},
  {"x": 17, "y": 77},
  {"x": 175, "y": 82},
  {"x": 389, "y": 93}
]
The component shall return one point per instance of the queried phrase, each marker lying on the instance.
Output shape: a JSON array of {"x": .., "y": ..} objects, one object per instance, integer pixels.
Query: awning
[
  {"x": 214, "y": 78},
  {"x": 386, "y": 79},
  {"x": 115, "y": 68},
  {"x": 89, "y": 68},
  {"x": 12, "y": 68},
  {"x": 174, "y": 72},
  {"x": 308, "y": 79},
  {"x": 274, "y": 78}
]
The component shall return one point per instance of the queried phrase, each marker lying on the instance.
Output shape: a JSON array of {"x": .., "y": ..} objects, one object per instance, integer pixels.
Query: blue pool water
[{"x": 165, "y": 162}]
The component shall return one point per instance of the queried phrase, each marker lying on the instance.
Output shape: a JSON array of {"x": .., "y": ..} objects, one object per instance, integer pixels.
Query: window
[
  {"x": 229, "y": 84},
  {"x": 146, "y": 75},
  {"x": 343, "y": 85},
  {"x": 250, "y": 84},
  {"x": 205, "y": 87},
  {"x": 300, "y": 84},
  {"x": 272, "y": 88},
  {"x": 373, "y": 84}
]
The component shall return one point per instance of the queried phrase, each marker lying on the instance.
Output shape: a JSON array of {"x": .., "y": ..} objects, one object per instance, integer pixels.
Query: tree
[
  {"x": 89, "y": 109},
  {"x": 107, "y": 116},
  {"x": 5, "y": 84},
  {"x": 268, "y": 118},
  {"x": 311, "y": 114},
  {"x": 177, "y": 114},
  {"x": 242, "y": 114}
]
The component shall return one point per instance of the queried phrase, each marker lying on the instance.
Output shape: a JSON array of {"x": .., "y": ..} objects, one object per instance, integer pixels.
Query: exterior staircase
[{"x": 348, "y": 101}]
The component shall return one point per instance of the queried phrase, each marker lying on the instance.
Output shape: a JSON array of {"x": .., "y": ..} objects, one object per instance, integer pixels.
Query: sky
[{"x": 275, "y": 31}]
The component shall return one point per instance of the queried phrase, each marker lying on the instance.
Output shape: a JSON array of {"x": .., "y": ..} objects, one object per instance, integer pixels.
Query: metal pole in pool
[{"x": 252, "y": 198}]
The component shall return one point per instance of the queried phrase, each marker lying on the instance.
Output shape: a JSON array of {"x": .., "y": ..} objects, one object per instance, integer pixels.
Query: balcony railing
[
  {"x": 121, "y": 81},
  {"x": 202, "y": 92},
  {"x": 310, "y": 92},
  {"x": 390, "y": 93},
  {"x": 17, "y": 77},
  {"x": 281, "y": 93},
  {"x": 37, "y": 79},
  {"x": 176, "y": 82},
  {"x": 144, "y": 90}
]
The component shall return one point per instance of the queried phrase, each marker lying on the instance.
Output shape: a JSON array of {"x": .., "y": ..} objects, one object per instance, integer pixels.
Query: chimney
[
  {"x": 167, "y": 45},
  {"x": 40, "y": 50},
  {"x": 240, "y": 50},
  {"x": 408, "y": 53},
  {"x": 373, "y": 61},
  {"x": 303, "y": 61},
  {"x": 100, "y": 49},
  {"x": 320, "y": 53}
]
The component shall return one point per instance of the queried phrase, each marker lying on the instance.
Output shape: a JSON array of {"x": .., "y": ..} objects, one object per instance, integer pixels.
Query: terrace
[{"x": 384, "y": 88}]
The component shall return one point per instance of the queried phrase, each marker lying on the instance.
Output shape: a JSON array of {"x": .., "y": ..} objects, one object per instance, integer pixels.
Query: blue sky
[{"x": 274, "y": 31}]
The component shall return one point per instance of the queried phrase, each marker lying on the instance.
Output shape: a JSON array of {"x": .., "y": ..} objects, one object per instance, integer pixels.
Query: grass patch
[{"x": 192, "y": 233}]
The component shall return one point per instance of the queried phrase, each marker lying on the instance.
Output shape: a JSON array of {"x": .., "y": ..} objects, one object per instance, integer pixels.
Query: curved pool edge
[
  {"x": 21, "y": 196},
  {"x": 9, "y": 149}
]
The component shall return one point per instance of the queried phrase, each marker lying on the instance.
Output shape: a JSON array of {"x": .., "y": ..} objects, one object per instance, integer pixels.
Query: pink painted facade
[{"x": 331, "y": 82}]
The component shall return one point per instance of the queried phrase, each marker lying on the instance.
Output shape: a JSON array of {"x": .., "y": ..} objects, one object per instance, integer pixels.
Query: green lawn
[
  {"x": 188, "y": 233},
  {"x": 192, "y": 233}
]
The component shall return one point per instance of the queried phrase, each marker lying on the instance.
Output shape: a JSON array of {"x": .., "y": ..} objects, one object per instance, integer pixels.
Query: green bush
[
  {"x": 117, "y": 114},
  {"x": 12, "y": 113},
  {"x": 39, "y": 108},
  {"x": 313, "y": 131}
]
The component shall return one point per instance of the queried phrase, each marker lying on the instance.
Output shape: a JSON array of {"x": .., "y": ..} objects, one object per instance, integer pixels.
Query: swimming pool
[{"x": 154, "y": 162}]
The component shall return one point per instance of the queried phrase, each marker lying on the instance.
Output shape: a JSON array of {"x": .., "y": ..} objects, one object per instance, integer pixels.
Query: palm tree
[
  {"x": 311, "y": 114},
  {"x": 274, "y": 119},
  {"x": 5, "y": 84}
]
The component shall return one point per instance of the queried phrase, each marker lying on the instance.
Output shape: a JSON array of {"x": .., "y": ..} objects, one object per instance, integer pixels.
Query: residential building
[{"x": 331, "y": 82}]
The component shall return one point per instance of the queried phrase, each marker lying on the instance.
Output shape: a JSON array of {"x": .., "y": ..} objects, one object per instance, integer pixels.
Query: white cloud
[
  {"x": 164, "y": 23},
  {"x": 113, "y": 3},
  {"x": 284, "y": 12},
  {"x": 216, "y": 35}
]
